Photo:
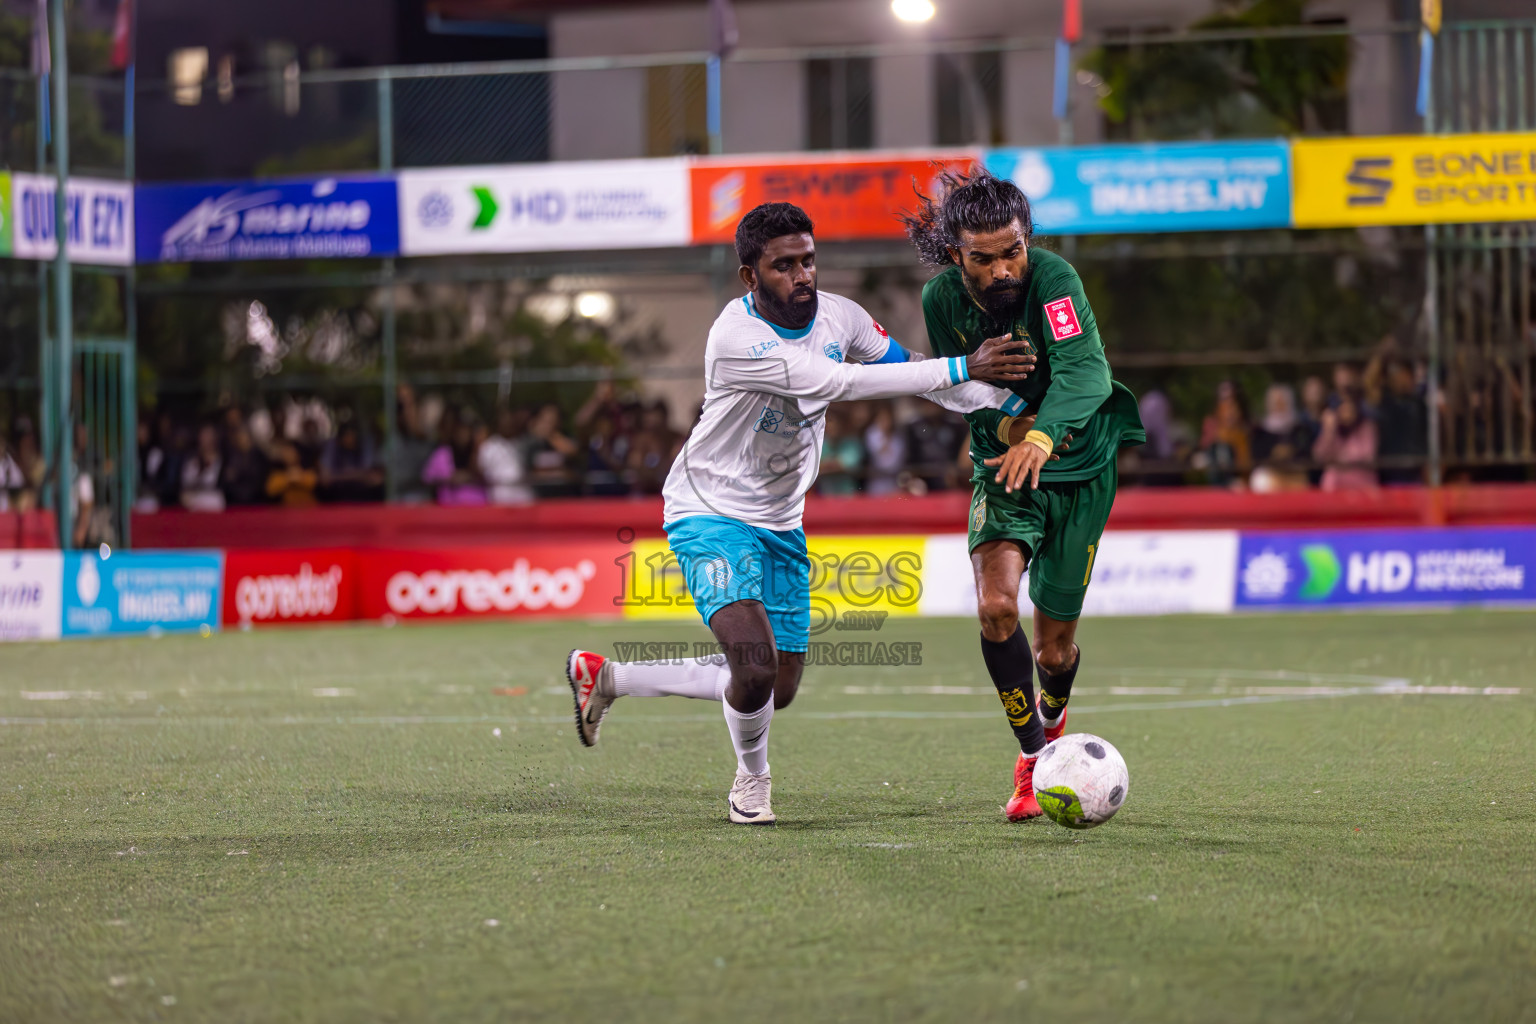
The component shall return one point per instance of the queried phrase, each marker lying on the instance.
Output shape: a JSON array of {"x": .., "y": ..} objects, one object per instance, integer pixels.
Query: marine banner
[
  {"x": 1414, "y": 179},
  {"x": 311, "y": 218},
  {"x": 31, "y": 593}
]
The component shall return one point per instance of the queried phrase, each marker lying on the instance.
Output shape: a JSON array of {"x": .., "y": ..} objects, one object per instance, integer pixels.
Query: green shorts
[{"x": 1058, "y": 526}]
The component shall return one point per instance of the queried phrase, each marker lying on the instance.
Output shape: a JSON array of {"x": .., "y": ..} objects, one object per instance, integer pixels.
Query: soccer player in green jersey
[{"x": 1039, "y": 502}]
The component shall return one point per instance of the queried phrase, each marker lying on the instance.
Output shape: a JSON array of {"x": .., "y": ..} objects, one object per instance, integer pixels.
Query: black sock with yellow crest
[
  {"x": 1056, "y": 690},
  {"x": 1012, "y": 666}
]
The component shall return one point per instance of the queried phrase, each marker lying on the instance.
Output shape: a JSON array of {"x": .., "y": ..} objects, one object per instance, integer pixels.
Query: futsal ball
[{"x": 1080, "y": 780}]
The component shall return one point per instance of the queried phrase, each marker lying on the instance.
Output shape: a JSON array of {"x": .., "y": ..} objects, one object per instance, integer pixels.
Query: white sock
[
  {"x": 700, "y": 678},
  {"x": 749, "y": 735}
]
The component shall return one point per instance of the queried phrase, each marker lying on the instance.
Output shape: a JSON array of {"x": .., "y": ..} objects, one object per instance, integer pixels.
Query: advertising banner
[
  {"x": 548, "y": 580},
  {"x": 1180, "y": 186},
  {"x": 1414, "y": 179},
  {"x": 315, "y": 218},
  {"x": 270, "y": 588},
  {"x": 98, "y": 214},
  {"x": 847, "y": 197},
  {"x": 1133, "y": 573},
  {"x": 598, "y": 204},
  {"x": 1386, "y": 567},
  {"x": 862, "y": 580},
  {"x": 31, "y": 594},
  {"x": 5, "y": 213},
  {"x": 133, "y": 592}
]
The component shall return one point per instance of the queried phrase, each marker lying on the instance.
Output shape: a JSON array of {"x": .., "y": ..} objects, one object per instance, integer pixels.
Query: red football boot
[
  {"x": 1023, "y": 806},
  {"x": 1052, "y": 732}
]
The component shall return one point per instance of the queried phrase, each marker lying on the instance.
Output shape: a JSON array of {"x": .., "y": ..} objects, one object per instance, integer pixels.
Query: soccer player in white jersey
[{"x": 733, "y": 500}]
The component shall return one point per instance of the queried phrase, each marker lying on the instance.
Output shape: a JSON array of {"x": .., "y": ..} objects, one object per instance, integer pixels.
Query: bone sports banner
[
  {"x": 98, "y": 217},
  {"x": 311, "y": 218},
  {"x": 847, "y": 197},
  {"x": 1453, "y": 566},
  {"x": 1414, "y": 179},
  {"x": 599, "y": 204},
  {"x": 1197, "y": 186}
]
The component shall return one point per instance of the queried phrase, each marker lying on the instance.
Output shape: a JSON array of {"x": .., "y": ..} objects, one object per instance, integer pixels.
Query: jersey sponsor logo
[
  {"x": 880, "y": 330},
  {"x": 768, "y": 422},
  {"x": 718, "y": 573},
  {"x": 833, "y": 351},
  {"x": 1062, "y": 317},
  {"x": 979, "y": 515}
]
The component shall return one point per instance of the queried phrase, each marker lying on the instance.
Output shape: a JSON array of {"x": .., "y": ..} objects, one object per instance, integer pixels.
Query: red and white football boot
[
  {"x": 1023, "y": 806},
  {"x": 591, "y": 679}
]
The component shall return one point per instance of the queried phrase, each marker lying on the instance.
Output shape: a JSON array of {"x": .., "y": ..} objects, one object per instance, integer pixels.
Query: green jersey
[{"x": 1069, "y": 391}]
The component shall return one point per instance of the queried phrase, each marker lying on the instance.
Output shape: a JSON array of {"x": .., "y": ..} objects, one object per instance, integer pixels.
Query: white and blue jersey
[
  {"x": 756, "y": 449},
  {"x": 736, "y": 493}
]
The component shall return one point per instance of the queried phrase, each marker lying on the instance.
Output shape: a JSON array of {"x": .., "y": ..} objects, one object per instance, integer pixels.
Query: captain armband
[{"x": 1041, "y": 439}]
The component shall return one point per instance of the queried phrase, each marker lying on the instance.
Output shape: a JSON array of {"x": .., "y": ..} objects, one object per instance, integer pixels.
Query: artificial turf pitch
[{"x": 320, "y": 825}]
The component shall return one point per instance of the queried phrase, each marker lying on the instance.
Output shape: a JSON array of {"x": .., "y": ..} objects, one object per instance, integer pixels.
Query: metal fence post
[
  {"x": 64, "y": 360},
  {"x": 388, "y": 384},
  {"x": 386, "y": 121}
]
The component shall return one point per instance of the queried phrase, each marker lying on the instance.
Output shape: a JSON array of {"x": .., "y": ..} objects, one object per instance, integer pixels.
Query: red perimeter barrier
[
  {"x": 20, "y": 530},
  {"x": 421, "y": 526}
]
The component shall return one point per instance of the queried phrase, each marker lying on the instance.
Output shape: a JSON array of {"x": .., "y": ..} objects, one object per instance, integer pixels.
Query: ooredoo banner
[
  {"x": 271, "y": 588},
  {"x": 597, "y": 204},
  {"x": 847, "y": 197},
  {"x": 31, "y": 594},
  {"x": 550, "y": 580},
  {"x": 1387, "y": 567}
]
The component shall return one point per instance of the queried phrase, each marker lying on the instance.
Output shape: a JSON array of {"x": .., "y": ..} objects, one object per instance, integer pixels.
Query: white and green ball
[{"x": 1081, "y": 781}]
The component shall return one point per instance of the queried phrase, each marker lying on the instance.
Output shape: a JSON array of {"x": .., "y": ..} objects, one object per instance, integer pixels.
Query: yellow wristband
[
  {"x": 1041, "y": 439},
  {"x": 1003, "y": 428}
]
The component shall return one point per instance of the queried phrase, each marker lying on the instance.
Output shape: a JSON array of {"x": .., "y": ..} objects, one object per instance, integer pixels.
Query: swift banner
[
  {"x": 98, "y": 215},
  {"x": 1414, "y": 179},
  {"x": 846, "y": 197},
  {"x": 1193, "y": 186},
  {"x": 609, "y": 204},
  {"x": 320, "y": 218},
  {"x": 1387, "y": 567}
]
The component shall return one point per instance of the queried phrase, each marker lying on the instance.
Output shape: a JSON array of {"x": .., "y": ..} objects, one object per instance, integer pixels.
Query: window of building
[
  {"x": 968, "y": 98},
  {"x": 840, "y": 103},
  {"x": 676, "y": 110}
]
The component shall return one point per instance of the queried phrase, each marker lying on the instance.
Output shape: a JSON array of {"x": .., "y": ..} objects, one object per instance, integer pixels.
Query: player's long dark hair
[{"x": 974, "y": 201}]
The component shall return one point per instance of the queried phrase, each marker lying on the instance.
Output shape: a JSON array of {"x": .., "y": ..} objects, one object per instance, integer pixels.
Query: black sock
[
  {"x": 1055, "y": 690},
  {"x": 1012, "y": 667}
]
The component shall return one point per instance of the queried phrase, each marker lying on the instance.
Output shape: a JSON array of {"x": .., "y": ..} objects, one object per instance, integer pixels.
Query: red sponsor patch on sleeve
[
  {"x": 878, "y": 329},
  {"x": 1062, "y": 317}
]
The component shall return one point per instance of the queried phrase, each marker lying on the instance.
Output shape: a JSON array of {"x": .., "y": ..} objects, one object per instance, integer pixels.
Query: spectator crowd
[{"x": 1365, "y": 427}]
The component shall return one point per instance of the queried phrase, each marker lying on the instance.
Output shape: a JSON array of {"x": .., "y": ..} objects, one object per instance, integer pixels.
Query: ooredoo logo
[
  {"x": 479, "y": 590},
  {"x": 305, "y": 595}
]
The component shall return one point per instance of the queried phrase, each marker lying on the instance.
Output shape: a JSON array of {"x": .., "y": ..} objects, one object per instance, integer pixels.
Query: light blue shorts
[{"x": 725, "y": 561}]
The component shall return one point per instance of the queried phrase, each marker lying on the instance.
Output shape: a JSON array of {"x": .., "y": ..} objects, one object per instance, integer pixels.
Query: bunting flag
[
  {"x": 122, "y": 31},
  {"x": 1429, "y": 17},
  {"x": 42, "y": 60},
  {"x": 1063, "y": 76},
  {"x": 723, "y": 33},
  {"x": 1072, "y": 20}
]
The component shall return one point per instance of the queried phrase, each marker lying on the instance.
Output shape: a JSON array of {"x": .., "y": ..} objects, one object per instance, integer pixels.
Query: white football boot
[
  {"x": 749, "y": 799},
  {"x": 591, "y": 679}
]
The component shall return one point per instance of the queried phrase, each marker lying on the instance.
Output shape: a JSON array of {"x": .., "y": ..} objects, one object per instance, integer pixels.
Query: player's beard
[
  {"x": 1003, "y": 300},
  {"x": 792, "y": 315}
]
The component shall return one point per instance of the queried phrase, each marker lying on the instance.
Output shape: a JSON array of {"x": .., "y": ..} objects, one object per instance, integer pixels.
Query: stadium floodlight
[
  {"x": 595, "y": 305},
  {"x": 914, "y": 11}
]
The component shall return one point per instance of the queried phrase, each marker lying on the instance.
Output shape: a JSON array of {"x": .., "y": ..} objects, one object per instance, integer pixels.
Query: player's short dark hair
[
  {"x": 973, "y": 201},
  {"x": 764, "y": 223}
]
